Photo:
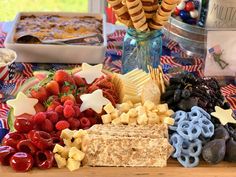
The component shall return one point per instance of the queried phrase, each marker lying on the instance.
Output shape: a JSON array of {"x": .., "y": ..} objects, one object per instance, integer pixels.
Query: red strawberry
[
  {"x": 62, "y": 76},
  {"x": 74, "y": 123},
  {"x": 68, "y": 111},
  {"x": 53, "y": 87},
  {"x": 68, "y": 88},
  {"x": 62, "y": 124},
  {"x": 85, "y": 123},
  {"x": 52, "y": 105},
  {"x": 40, "y": 94},
  {"x": 67, "y": 97},
  {"x": 77, "y": 111},
  {"x": 39, "y": 108},
  {"x": 69, "y": 102},
  {"x": 79, "y": 81},
  {"x": 39, "y": 118},
  {"x": 52, "y": 116},
  {"x": 59, "y": 109},
  {"x": 47, "y": 126}
]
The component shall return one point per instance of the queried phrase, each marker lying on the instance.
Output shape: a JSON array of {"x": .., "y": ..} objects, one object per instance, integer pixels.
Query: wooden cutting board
[{"x": 172, "y": 170}]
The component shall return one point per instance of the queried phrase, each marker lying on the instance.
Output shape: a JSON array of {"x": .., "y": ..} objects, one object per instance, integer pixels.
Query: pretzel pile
[{"x": 143, "y": 15}]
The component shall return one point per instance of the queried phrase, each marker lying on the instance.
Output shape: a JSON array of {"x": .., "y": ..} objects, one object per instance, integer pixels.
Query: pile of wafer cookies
[{"x": 143, "y": 15}]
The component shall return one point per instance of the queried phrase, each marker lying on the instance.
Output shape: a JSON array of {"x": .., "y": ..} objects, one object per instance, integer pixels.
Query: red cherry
[
  {"x": 21, "y": 162},
  {"x": 39, "y": 118},
  {"x": 44, "y": 159},
  {"x": 177, "y": 11},
  {"x": 12, "y": 139},
  {"x": 85, "y": 122},
  {"x": 47, "y": 126},
  {"x": 26, "y": 146},
  {"x": 5, "y": 154},
  {"x": 52, "y": 116},
  {"x": 189, "y": 6},
  {"x": 41, "y": 139},
  {"x": 23, "y": 125}
]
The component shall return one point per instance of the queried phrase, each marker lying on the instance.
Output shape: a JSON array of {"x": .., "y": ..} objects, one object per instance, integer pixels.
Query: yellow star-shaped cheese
[
  {"x": 94, "y": 100},
  {"x": 22, "y": 104},
  {"x": 224, "y": 116},
  {"x": 90, "y": 73}
]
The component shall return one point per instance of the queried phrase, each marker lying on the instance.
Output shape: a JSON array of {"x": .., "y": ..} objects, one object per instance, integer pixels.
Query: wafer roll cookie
[
  {"x": 137, "y": 14},
  {"x": 173, "y": 1},
  {"x": 168, "y": 7},
  {"x": 149, "y": 15},
  {"x": 155, "y": 26},
  {"x": 150, "y": 8},
  {"x": 161, "y": 18},
  {"x": 151, "y": 1},
  {"x": 120, "y": 11}
]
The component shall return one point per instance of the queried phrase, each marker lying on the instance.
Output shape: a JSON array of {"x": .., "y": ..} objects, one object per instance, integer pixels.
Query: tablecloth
[{"x": 173, "y": 61}]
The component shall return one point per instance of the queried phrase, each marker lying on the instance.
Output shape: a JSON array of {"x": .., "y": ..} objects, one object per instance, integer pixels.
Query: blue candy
[
  {"x": 178, "y": 117},
  {"x": 193, "y": 148},
  {"x": 188, "y": 130},
  {"x": 207, "y": 128},
  {"x": 195, "y": 114},
  {"x": 188, "y": 161},
  {"x": 176, "y": 141},
  {"x": 202, "y": 111}
]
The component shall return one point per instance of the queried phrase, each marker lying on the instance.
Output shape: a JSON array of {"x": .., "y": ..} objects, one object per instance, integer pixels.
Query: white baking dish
[{"x": 42, "y": 53}]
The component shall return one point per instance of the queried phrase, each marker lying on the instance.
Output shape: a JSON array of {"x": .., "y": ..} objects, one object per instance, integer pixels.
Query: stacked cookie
[{"x": 143, "y": 15}]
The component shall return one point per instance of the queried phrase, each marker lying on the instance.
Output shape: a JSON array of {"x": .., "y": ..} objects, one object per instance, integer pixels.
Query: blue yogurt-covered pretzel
[
  {"x": 202, "y": 111},
  {"x": 178, "y": 117},
  {"x": 188, "y": 161},
  {"x": 176, "y": 141}
]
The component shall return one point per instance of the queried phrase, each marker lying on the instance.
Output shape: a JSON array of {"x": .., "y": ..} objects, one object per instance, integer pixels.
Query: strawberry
[
  {"x": 59, "y": 109},
  {"x": 77, "y": 111},
  {"x": 92, "y": 120},
  {"x": 69, "y": 102},
  {"x": 52, "y": 116},
  {"x": 62, "y": 124},
  {"x": 53, "y": 87},
  {"x": 68, "y": 111},
  {"x": 74, "y": 123},
  {"x": 47, "y": 126},
  {"x": 68, "y": 88},
  {"x": 39, "y": 118},
  {"x": 39, "y": 108},
  {"x": 62, "y": 76},
  {"x": 52, "y": 105},
  {"x": 85, "y": 122},
  {"x": 65, "y": 97},
  {"x": 39, "y": 93},
  {"x": 79, "y": 81}
]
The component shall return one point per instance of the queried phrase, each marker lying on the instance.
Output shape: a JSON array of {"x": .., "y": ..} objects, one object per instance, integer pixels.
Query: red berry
[
  {"x": 47, "y": 126},
  {"x": 59, "y": 109},
  {"x": 69, "y": 102},
  {"x": 62, "y": 124},
  {"x": 68, "y": 111},
  {"x": 92, "y": 120},
  {"x": 67, "y": 97},
  {"x": 39, "y": 108},
  {"x": 85, "y": 122},
  {"x": 39, "y": 118},
  {"x": 52, "y": 116},
  {"x": 62, "y": 76},
  {"x": 77, "y": 111},
  {"x": 74, "y": 123},
  {"x": 39, "y": 93},
  {"x": 189, "y": 6},
  {"x": 78, "y": 80},
  {"x": 53, "y": 87},
  {"x": 89, "y": 113}
]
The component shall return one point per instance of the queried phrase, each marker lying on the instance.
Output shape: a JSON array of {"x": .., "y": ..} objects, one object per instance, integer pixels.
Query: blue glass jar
[{"x": 141, "y": 49}]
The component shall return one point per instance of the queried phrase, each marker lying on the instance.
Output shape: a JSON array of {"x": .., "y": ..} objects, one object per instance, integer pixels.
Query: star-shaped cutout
[
  {"x": 94, "y": 100},
  {"x": 224, "y": 116},
  {"x": 90, "y": 73},
  {"x": 22, "y": 104}
]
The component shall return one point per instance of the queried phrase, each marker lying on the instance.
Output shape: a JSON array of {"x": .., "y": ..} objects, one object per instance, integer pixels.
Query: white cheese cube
[
  {"x": 61, "y": 162},
  {"x": 124, "y": 118},
  {"x": 142, "y": 119},
  {"x": 106, "y": 119},
  {"x": 76, "y": 154},
  {"x": 149, "y": 105},
  {"x": 109, "y": 108},
  {"x": 72, "y": 164}
]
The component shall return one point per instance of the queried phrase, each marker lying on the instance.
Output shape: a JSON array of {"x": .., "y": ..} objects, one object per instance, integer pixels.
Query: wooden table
[{"x": 172, "y": 170}]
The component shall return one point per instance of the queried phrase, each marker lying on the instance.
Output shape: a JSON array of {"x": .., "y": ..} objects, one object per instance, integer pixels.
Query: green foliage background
[{"x": 9, "y": 8}]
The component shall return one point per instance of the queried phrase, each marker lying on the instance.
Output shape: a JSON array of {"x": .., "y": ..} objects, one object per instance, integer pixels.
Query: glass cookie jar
[{"x": 141, "y": 49}]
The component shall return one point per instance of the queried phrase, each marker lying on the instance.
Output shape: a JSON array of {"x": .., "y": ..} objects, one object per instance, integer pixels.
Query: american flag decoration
[{"x": 7, "y": 72}]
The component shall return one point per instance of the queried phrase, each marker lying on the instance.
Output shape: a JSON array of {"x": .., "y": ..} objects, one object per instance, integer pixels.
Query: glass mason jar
[{"x": 141, "y": 49}]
